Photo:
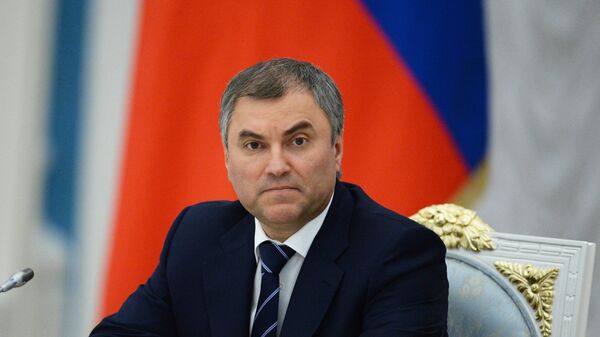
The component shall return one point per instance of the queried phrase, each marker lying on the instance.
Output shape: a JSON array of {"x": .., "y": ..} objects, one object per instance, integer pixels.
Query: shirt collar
[{"x": 300, "y": 241}]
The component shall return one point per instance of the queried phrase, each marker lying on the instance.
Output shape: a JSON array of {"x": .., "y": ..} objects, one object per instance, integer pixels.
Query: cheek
[
  {"x": 241, "y": 185},
  {"x": 319, "y": 166},
  {"x": 243, "y": 174}
]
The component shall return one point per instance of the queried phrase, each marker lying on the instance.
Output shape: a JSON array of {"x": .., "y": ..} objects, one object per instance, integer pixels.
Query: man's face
[{"x": 280, "y": 159}]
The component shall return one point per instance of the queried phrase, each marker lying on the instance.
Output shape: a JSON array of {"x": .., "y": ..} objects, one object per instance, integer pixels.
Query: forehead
[{"x": 258, "y": 113}]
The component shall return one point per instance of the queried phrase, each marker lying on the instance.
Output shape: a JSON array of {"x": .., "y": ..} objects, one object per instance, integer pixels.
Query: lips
[{"x": 280, "y": 188}]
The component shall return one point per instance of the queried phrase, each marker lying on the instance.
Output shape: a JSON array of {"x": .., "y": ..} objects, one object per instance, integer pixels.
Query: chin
[{"x": 282, "y": 215}]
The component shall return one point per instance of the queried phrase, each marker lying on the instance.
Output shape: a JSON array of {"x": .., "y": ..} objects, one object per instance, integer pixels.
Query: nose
[{"x": 278, "y": 164}]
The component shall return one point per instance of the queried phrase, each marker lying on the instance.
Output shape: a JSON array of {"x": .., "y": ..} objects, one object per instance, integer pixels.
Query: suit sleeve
[
  {"x": 408, "y": 293},
  {"x": 147, "y": 312}
]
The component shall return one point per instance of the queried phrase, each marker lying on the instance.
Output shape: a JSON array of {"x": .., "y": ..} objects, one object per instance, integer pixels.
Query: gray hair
[{"x": 275, "y": 78}]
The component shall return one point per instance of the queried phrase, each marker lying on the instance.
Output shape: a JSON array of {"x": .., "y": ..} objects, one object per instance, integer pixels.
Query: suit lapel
[
  {"x": 229, "y": 281},
  {"x": 319, "y": 276}
]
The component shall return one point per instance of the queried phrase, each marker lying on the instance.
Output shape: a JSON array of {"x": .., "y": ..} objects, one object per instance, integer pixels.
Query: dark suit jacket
[{"x": 369, "y": 272}]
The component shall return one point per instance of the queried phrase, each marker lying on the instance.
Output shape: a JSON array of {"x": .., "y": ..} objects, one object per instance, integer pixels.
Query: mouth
[{"x": 281, "y": 189}]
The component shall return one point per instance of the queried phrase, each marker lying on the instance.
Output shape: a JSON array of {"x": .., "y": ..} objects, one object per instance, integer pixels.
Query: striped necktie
[{"x": 272, "y": 258}]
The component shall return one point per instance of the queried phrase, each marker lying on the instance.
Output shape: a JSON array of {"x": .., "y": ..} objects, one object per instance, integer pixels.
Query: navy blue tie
[{"x": 272, "y": 258}]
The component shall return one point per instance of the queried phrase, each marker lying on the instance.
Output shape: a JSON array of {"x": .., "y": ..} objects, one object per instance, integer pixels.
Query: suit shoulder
[
  {"x": 209, "y": 220},
  {"x": 376, "y": 214},
  {"x": 389, "y": 229},
  {"x": 220, "y": 210}
]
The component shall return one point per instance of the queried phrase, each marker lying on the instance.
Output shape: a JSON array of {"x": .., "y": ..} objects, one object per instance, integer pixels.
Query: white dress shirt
[{"x": 299, "y": 242}]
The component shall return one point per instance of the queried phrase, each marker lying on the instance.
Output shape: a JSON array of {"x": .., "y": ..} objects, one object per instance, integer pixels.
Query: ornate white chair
[{"x": 510, "y": 285}]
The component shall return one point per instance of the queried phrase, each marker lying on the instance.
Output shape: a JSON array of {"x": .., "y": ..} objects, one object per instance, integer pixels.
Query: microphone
[{"x": 17, "y": 279}]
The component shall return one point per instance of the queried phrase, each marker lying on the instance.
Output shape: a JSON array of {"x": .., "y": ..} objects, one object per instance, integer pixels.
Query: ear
[
  {"x": 338, "y": 147},
  {"x": 226, "y": 157}
]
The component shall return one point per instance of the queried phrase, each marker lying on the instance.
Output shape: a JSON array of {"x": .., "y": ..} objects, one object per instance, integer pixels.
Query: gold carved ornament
[
  {"x": 456, "y": 226},
  {"x": 537, "y": 286}
]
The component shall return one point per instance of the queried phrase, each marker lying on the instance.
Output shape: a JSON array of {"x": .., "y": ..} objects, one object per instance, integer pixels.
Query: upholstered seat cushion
[{"x": 481, "y": 303}]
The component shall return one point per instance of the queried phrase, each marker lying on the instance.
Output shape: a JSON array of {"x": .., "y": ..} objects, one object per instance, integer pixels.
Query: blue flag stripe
[{"x": 442, "y": 42}]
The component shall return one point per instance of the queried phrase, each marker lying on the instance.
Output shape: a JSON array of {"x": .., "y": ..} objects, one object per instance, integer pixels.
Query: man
[{"x": 300, "y": 253}]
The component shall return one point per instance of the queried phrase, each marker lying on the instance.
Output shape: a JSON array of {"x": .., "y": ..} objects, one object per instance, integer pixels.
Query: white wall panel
[
  {"x": 25, "y": 57},
  {"x": 109, "y": 57},
  {"x": 544, "y": 61}
]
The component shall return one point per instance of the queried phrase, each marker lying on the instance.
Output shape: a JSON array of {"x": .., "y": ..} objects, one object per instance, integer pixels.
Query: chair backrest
[{"x": 507, "y": 284}]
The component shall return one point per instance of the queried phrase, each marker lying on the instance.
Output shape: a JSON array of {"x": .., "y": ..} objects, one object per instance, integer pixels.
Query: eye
[
  {"x": 299, "y": 141},
  {"x": 252, "y": 145}
]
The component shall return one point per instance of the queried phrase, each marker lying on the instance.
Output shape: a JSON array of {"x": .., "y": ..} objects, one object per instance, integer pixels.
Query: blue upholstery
[{"x": 484, "y": 304}]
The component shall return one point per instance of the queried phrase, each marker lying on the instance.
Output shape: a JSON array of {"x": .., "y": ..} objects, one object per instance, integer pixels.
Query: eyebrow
[
  {"x": 298, "y": 126},
  {"x": 249, "y": 134},
  {"x": 295, "y": 128}
]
